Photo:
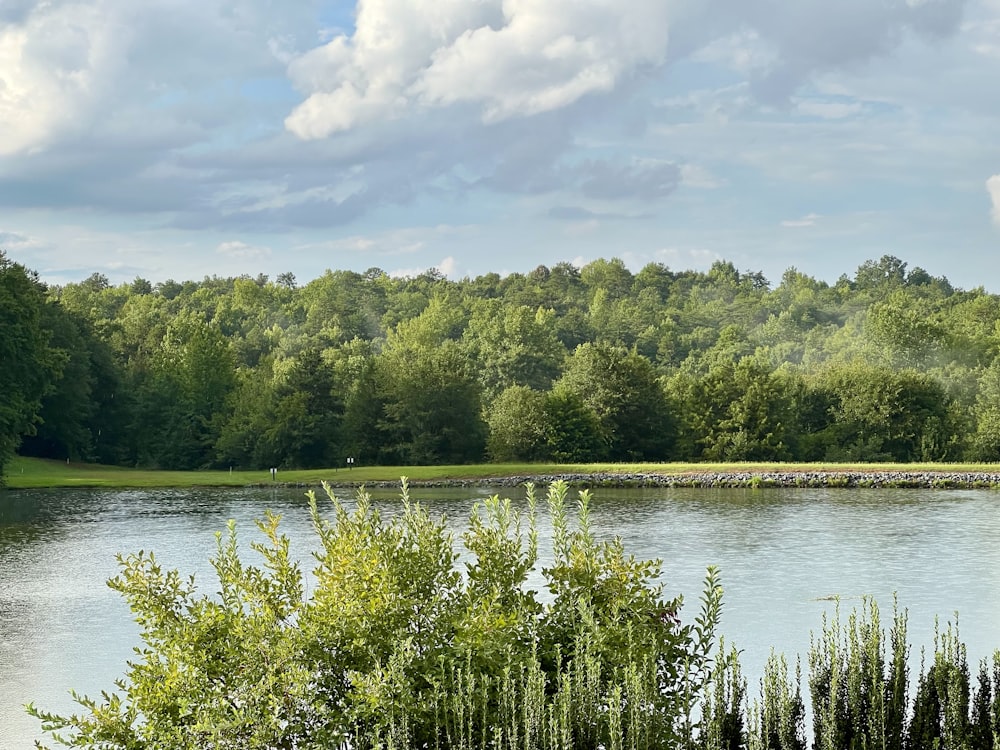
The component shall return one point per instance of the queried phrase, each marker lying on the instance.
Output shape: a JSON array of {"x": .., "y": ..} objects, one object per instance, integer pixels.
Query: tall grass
[{"x": 860, "y": 694}]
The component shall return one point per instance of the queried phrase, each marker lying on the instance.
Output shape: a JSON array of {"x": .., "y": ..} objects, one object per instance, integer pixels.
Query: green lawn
[{"x": 35, "y": 472}]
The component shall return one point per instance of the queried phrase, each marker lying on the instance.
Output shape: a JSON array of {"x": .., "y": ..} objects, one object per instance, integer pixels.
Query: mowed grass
[{"x": 23, "y": 473}]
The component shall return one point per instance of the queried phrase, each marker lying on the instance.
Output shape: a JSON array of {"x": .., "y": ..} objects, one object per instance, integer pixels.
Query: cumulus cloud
[
  {"x": 182, "y": 114},
  {"x": 69, "y": 68},
  {"x": 993, "y": 188},
  {"x": 51, "y": 64},
  {"x": 506, "y": 58},
  {"x": 810, "y": 36},
  {"x": 517, "y": 58}
]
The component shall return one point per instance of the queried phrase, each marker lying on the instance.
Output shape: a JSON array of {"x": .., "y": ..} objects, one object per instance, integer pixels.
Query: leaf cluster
[{"x": 398, "y": 638}]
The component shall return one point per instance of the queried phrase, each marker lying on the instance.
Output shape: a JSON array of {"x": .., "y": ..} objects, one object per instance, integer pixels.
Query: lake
[{"x": 782, "y": 553}]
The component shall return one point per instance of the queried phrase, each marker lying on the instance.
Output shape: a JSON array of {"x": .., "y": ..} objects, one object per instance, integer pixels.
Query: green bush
[
  {"x": 393, "y": 643},
  {"x": 397, "y": 641}
]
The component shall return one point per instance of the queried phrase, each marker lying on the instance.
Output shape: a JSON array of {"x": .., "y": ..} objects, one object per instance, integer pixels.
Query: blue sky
[{"x": 185, "y": 138}]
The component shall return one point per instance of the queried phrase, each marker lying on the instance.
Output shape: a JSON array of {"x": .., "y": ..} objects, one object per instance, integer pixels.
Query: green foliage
[
  {"x": 182, "y": 388},
  {"x": 513, "y": 346},
  {"x": 731, "y": 407},
  {"x": 985, "y": 441},
  {"x": 858, "y": 701},
  {"x": 517, "y": 425},
  {"x": 887, "y": 364},
  {"x": 573, "y": 431},
  {"x": 390, "y": 645},
  {"x": 622, "y": 389},
  {"x": 880, "y": 414},
  {"x": 398, "y": 639},
  {"x": 777, "y": 721},
  {"x": 432, "y": 410},
  {"x": 30, "y": 365},
  {"x": 723, "y": 708}
]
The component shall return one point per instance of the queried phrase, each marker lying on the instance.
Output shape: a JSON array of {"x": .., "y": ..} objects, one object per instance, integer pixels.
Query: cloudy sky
[{"x": 185, "y": 138}]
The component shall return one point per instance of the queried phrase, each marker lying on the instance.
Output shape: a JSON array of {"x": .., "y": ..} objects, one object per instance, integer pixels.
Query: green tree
[
  {"x": 305, "y": 426},
  {"x": 573, "y": 430},
  {"x": 610, "y": 275},
  {"x": 906, "y": 326},
  {"x": 880, "y": 414},
  {"x": 30, "y": 364},
  {"x": 517, "y": 425},
  {"x": 623, "y": 390},
  {"x": 242, "y": 438},
  {"x": 181, "y": 393},
  {"x": 69, "y": 410},
  {"x": 513, "y": 346},
  {"x": 985, "y": 441},
  {"x": 432, "y": 409},
  {"x": 731, "y": 410}
]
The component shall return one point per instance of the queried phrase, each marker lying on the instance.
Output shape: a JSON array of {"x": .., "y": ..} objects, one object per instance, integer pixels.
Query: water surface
[{"x": 783, "y": 554}]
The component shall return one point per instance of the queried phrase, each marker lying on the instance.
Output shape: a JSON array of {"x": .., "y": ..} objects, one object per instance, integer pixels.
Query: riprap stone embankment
[{"x": 730, "y": 479}]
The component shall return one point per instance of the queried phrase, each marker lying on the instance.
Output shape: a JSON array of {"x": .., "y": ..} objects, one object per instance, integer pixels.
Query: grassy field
[{"x": 33, "y": 472}]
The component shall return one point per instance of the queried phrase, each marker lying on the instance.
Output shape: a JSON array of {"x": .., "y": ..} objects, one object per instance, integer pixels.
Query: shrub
[{"x": 395, "y": 645}]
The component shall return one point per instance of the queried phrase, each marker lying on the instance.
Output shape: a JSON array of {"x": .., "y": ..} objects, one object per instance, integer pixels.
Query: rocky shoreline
[{"x": 747, "y": 479}]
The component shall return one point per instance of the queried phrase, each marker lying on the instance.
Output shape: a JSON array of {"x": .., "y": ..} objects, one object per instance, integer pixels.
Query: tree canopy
[{"x": 561, "y": 363}]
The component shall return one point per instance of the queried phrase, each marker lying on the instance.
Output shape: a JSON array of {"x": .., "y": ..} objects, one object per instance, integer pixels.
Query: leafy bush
[
  {"x": 398, "y": 645},
  {"x": 397, "y": 641}
]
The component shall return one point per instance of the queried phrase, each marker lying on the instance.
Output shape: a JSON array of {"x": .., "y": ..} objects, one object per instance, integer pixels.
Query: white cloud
[
  {"x": 516, "y": 58},
  {"x": 744, "y": 51},
  {"x": 50, "y": 68},
  {"x": 77, "y": 69},
  {"x": 446, "y": 267},
  {"x": 16, "y": 241},
  {"x": 505, "y": 57},
  {"x": 993, "y": 188},
  {"x": 242, "y": 251},
  {"x": 808, "y": 220}
]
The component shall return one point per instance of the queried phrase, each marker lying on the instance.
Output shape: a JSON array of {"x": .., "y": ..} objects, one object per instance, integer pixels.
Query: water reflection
[{"x": 782, "y": 554}]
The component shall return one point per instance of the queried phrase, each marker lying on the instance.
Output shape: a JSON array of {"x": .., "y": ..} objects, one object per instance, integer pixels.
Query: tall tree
[
  {"x": 731, "y": 409},
  {"x": 624, "y": 392},
  {"x": 517, "y": 426},
  {"x": 513, "y": 345},
  {"x": 29, "y": 364},
  {"x": 880, "y": 414},
  {"x": 181, "y": 394},
  {"x": 432, "y": 406}
]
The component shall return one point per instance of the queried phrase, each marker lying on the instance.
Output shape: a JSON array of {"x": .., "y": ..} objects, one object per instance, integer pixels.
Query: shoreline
[{"x": 720, "y": 480}]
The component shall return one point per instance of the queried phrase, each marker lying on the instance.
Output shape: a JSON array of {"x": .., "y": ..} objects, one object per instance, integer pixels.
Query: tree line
[{"x": 592, "y": 363}]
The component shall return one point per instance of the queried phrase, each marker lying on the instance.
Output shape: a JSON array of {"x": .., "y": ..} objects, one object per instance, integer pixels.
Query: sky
[{"x": 178, "y": 139}]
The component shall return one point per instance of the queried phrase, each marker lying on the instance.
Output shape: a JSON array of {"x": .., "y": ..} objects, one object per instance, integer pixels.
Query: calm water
[{"x": 782, "y": 553}]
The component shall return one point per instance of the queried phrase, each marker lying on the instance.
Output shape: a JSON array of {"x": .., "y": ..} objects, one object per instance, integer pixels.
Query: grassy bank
[{"x": 33, "y": 472}]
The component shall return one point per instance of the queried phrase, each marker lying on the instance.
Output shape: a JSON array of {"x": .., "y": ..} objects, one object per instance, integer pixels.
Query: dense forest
[{"x": 562, "y": 363}]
